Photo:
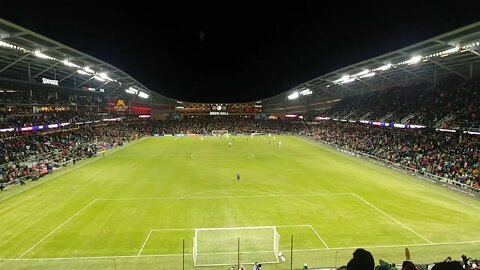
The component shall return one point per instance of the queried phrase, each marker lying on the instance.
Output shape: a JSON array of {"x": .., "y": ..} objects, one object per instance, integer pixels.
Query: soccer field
[{"x": 132, "y": 208}]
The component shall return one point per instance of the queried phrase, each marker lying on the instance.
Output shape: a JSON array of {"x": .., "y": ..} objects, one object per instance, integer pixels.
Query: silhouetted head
[{"x": 362, "y": 260}]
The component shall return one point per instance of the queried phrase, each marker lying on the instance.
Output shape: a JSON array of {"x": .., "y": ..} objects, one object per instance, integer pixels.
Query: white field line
[
  {"x": 161, "y": 230},
  {"x": 297, "y": 250},
  {"x": 375, "y": 166},
  {"x": 232, "y": 228},
  {"x": 392, "y": 218},
  {"x": 220, "y": 197},
  {"x": 144, "y": 243},
  {"x": 69, "y": 170},
  {"x": 319, "y": 237},
  {"x": 56, "y": 229},
  {"x": 231, "y": 189}
]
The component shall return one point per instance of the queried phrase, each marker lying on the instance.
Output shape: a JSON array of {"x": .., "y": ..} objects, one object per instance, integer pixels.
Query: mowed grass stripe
[{"x": 274, "y": 189}]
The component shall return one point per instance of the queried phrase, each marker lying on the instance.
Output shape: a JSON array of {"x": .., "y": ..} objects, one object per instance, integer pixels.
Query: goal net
[
  {"x": 220, "y": 132},
  {"x": 228, "y": 246}
]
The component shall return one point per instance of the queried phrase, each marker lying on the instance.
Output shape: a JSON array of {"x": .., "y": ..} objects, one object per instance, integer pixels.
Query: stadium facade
[{"x": 30, "y": 62}]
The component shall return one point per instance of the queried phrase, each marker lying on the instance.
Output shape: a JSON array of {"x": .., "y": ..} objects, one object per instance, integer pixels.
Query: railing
[
  {"x": 386, "y": 117},
  {"x": 407, "y": 118},
  {"x": 442, "y": 121}
]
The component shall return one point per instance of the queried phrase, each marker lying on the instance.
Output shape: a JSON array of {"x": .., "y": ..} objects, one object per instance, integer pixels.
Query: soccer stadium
[{"x": 380, "y": 158}]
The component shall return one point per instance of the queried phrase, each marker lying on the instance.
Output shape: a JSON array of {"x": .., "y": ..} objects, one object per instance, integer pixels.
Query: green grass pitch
[{"x": 132, "y": 208}]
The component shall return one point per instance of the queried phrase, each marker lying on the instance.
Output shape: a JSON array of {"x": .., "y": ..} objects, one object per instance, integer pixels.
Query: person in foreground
[{"x": 362, "y": 260}]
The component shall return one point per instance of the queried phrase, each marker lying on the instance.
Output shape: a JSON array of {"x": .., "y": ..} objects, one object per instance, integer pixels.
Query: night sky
[{"x": 236, "y": 51}]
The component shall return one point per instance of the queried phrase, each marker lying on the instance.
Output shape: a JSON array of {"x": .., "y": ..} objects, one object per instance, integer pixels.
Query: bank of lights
[
  {"x": 131, "y": 90},
  {"x": 296, "y": 94},
  {"x": 143, "y": 94},
  {"x": 40, "y": 54}
]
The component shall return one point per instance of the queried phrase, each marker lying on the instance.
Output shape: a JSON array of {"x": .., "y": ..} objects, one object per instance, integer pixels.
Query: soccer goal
[
  {"x": 228, "y": 246},
  {"x": 220, "y": 132}
]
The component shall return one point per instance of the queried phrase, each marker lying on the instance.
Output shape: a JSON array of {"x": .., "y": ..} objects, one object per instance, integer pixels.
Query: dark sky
[{"x": 234, "y": 51}]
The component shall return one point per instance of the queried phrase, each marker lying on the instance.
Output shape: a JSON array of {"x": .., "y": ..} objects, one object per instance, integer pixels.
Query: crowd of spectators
[
  {"x": 207, "y": 124},
  {"x": 48, "y": 118},
  {"x": 34, "y": 154},
  {"x": 363, "y": 260},
  {"x": 423, "y": 150},
  {"x": 450, "y": 103}
]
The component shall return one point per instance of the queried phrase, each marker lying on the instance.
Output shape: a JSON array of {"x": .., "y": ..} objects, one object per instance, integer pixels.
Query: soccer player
[
  {"x": 279, "y": 144},
  {"x": 238, "y": 177},
  {"x": 229, "y": 144}
]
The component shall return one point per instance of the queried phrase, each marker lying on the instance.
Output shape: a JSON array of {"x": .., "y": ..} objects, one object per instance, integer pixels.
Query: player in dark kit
[{"x": 238, "y": 177}]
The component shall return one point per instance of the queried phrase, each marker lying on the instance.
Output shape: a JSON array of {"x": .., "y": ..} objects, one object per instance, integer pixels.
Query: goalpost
[
  {"x": 220, "y": 132},
  {"x": 228, "y": 246}
]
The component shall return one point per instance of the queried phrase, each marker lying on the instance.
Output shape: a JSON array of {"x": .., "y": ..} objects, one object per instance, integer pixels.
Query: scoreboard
[{"x": 218, "y": 109}]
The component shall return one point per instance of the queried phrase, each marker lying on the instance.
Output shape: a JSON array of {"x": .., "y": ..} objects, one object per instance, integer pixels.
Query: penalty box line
[
  {"x": 231, "y": 228},
  {"x": 392, "y": 218},
  {"x": 57, "y": 228},
  {"x": 183, "y": 197},
  {"x": 164, "y": 198}
]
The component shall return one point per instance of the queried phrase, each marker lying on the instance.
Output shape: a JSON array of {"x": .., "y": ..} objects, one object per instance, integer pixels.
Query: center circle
[{"x": 219, "y": 155}]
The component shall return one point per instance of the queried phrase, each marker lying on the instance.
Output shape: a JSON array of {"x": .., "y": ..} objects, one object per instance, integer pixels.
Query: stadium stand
[{"x": 45, "y": 126}]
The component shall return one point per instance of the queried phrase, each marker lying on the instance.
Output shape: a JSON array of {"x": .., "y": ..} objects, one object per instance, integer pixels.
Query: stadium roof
[
  {"x": 456, "y": 52},
  {"x": 28, "y": 56}
]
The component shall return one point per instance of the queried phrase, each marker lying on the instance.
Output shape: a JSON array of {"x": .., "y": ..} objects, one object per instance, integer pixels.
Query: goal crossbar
[
  {"x": 224, "y": 246},
  {"x": 236, "y": 228}
]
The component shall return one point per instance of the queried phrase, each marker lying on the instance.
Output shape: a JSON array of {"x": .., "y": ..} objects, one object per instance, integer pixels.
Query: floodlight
[
  {"x": 384, "y": 67},
  {"x": 39, "y": 54},
  {"x": 414, "y": 60},
  {"x": 361, "y": 73},
  {"x": 131, "y": 90},
  {"x": 143, "y": 94},
  {"x": 6, "y": 45},
  {"x": 349, "y": 80},
  {"x": 81, "y": 71},
  {"x": 306, "y": 92},
  {"x": 98, "y": 78},
  {"x": 104, "y": 76},
  {"x": 70, "y": 64},
  {"x": 89, "y": 70},
  {"x": 293, "y": 95},
  {"x": 371, "y": 74},
  {"x": 342, "y": 79}
]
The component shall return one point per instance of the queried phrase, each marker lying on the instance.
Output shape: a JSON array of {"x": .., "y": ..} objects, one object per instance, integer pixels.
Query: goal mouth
[
  {"x": 219, "y": 132},
  {"x": 235, "y": 245}
]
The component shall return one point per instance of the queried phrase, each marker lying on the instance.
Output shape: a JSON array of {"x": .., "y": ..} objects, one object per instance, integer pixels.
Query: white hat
[{"x": 305, "y": 264}]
